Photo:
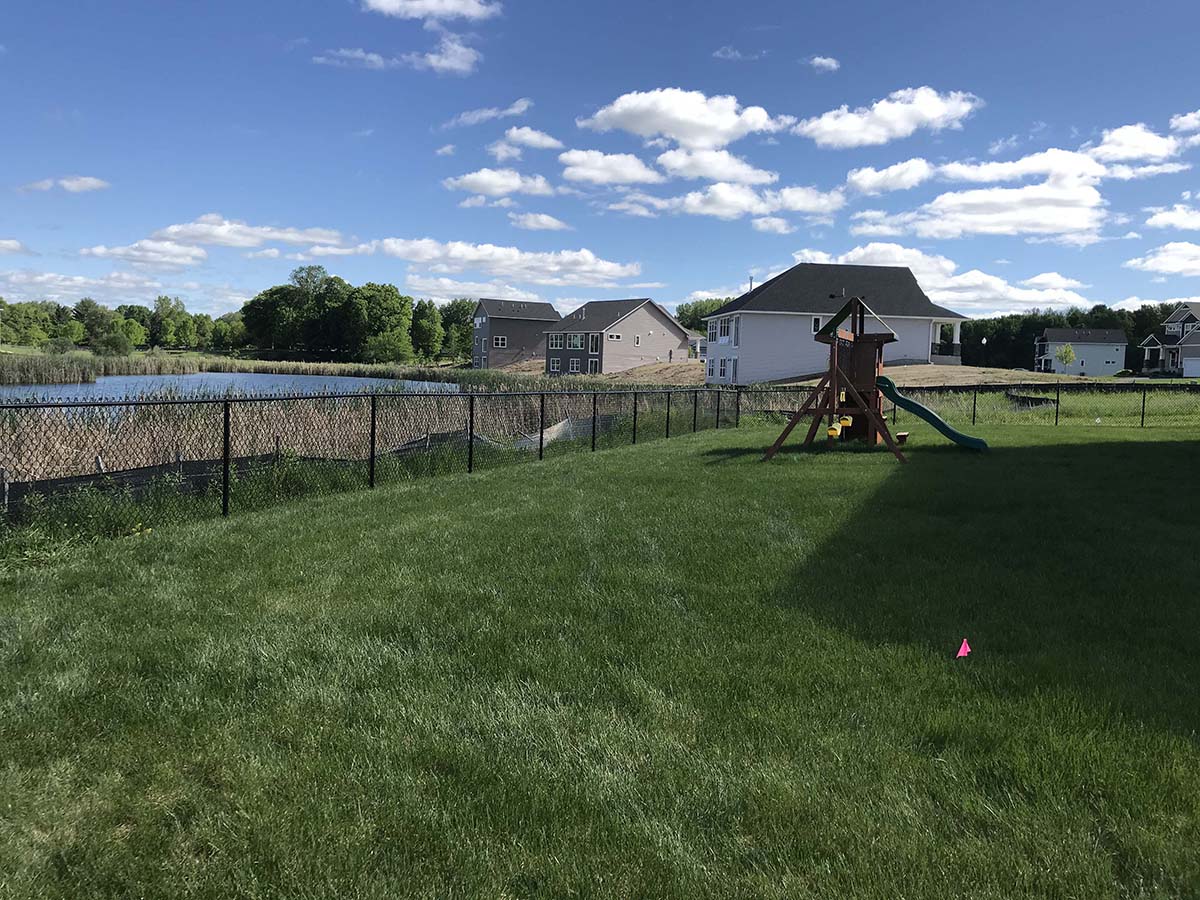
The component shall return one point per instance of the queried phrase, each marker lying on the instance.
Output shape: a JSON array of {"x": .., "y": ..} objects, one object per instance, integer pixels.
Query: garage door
[{"x": 1191, "y": 368}]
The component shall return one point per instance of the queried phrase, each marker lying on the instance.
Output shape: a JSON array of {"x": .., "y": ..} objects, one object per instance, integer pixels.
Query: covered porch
[
  {"x": 1159, "y": 357},
  {"x": 945, "y": 342}
]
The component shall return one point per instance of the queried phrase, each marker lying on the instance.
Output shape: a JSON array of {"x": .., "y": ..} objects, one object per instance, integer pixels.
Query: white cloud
[
  {"x": 499, "y": 183},
  {"x": 213, "y": 228},
  {"x": 151, "y": 254},
  {"x": 1130, "y": 173},
  {"x": 561, "y": 267},
  {"x": 445, "y": 150},
  {"x": 1001, "y": 145},
  {"x": 537, "y": 222},
  {"x": 1053, "y": 280},
  {"x": 689, "y": 118},
  {"x": 824, "y": 63},
  {"x": 1055, "y": 163},
  {"x": 899, "y": 115},
  {"x": 723, "y": 201},
  {"x": 898, "y": 177},
  {"x": 269, "y": 253},
  {"x": 713, "y": 165},
  {"x": 488, "y": 113},
  {"x": 733, "y": 201},
  {"x": 116, "y": 287},
  {"x": 443, "y": 289},
  {"x": 732, "y": 54},
  {"x": 502, "y": 151},
  {"x": 434, "y": 10},
  {"x": 1178, "y": 216},
  {"x": 524, "y": 136},
  {"x": 594, "y": 167},
  {"x": 74, "y": 184},
  {"x": 452, "y": 56},
  {"x": 1135, "y": 303},
  {"x": 633, "y": 208},
  {"x": 1176, "y": 258},
  {"x": 356, "y": 58},
  {"x": 972, "y": 292},
  {"x": 1186, "y": 121},
  {"x": 8, "y": 245},
  {"x": 773, "y": 225},
  {"x": 806, "y": 200},
  {"x": 1134, "y": 142}
]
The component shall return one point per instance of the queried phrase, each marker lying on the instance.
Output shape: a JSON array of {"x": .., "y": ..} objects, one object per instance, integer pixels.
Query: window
[
  {"x": 710, "y": 367},
  {"x": 556, "y": 341},
  {"x": 816, "y": 324},
  {"x": 593, "y": 343},
  {"x": 573, "y": 365},
  {"x": 555, "y": 364},
  {"x": 479, "y": 320},
  {"x": 574, "y": 341},
  {"x": 725, "y": 327},
  {"x": 733, "y": 372},
  {"x": 613, "y": 337},
  {"x": 712, "y": 331},
  {"x": 1081, "y": 361},
  {"x": 637, "y": 340},
  {"x": 722, "y": 374},
  {"x": 500, "y": 342},
  {"x": 737, "y": 329},
  {"x": 593, "y": 367},
  {"x": 475, "y": 362}
]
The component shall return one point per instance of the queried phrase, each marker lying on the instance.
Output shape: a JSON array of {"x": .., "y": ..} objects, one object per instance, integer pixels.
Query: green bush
[{"x": 114, "y": 343}]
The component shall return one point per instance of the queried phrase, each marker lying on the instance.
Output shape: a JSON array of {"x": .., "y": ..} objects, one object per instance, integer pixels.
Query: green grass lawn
[{"x": 662, "y": 671}]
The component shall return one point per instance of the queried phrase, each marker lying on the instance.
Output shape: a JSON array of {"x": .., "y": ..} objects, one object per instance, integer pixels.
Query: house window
[
  {"x": 710, "y": 367},
  {"x": 573, "y": 365},
  {"x": 574, "y": 341},
  {"x": 475, "y": 362},
  {"x": 593, "y": 367},
  {"x": 1081, "y": 361},
  {"x": 500, "y": 342},
  {"x": 712, "y": 331},
  {"x": 556, "y": 342},
  {"x": 555, "y": 364},
  {"x": 816, "y": 324},
  {"x": 593, "y": 343},
  {"x": 737, "y": 329},
  {"x": 637, "y": 340},
  {"x": 725, "y": 327},
  {"x": 613, "y": 337},
  {"x": 733, "y": 371},
  {"x": 479, "y": 320},
  {"x": 722, "y": 375}
]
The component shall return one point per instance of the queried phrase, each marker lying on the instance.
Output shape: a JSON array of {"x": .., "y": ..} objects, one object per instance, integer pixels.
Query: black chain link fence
[{"x": 115, "y": 467}]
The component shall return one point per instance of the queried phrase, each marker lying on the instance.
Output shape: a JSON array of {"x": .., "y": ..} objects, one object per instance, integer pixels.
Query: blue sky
[{"x": 1014, "y": 155}]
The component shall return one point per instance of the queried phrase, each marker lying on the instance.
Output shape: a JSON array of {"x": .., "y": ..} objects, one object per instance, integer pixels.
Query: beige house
[{"x": 607, "y": 336}]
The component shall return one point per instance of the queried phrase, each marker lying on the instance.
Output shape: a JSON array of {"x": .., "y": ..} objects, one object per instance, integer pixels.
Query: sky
[{"x": 1014, "y": 155}]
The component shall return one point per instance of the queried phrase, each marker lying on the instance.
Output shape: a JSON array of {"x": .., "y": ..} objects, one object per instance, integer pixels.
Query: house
[
  {"x": 697, "y": 345},
  {"x": 606, "y": 336},
  {"x": 508, "y": 331},
  {"x": 767, "y": 334},
  {"x": 1098, "y": 351},
  {"x": 1174, "y": 349}
]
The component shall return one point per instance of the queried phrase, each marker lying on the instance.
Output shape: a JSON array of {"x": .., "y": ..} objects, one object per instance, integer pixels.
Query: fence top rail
[{"x": 358, "y": 395}]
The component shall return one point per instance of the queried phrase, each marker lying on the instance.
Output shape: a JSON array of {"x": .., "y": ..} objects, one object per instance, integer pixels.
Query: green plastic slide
[{"x": 888, "y": 387}]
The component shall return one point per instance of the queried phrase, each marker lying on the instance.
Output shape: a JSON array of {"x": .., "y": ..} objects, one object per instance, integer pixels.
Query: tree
[
  {"x": 134, "y": 330},
  {"x": 1065, "y": 355},
  {"x": 70, "y": 331},
  {"x": 389, "y": 346},
  {"x": 203, "y": 325},
  {"x": 169, "y": 313},
  {"x": 94, "y": 318},
  {"x": 427, "y": 331},
  {"x": 114, "y": 343},
  {"x": 272, "y": 318},
  {"x": 133, "y": 312},
  {"x": 185, "y": 332},
  {"x": 691, "y": 315},
  {"x": 457, "y": 316},
  {"x": 309, "y": 280}
]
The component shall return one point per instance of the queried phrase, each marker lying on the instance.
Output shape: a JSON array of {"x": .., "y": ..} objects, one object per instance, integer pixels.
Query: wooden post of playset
[{"x": 847, "y": 393}]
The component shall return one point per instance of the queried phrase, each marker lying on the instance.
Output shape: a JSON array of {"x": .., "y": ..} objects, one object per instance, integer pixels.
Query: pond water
[{"x": 210, "y": 384}]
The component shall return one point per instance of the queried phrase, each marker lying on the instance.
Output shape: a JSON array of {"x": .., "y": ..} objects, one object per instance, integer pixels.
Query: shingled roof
[
  {"x": 519, "y": 309},
  {"x": 806, "y": 288},
  {"x": 1085, "y": 336},
  {"x": 598, "y": 315}
]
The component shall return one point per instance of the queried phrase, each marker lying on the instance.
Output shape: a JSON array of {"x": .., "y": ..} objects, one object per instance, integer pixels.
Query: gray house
[
  {"x": 1098, "y": 351},
  {"x": 607, "y": 336},
  {"x": 509, "y": 331},
  {"x": 1174, "y": 349}
]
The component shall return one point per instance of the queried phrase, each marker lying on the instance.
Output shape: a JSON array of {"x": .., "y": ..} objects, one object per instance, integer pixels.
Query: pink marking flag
[{"x": 964, "y": 649}]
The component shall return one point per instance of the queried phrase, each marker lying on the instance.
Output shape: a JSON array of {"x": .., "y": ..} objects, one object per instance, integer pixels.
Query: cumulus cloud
[
  {"x": 268, "y": 253},
  {"x": 1135, "y": 303},
  {"x": 773, "y": 225},
  {"x": 9, "y": 245},
  {"x": 594, "y": 167},
  {"x": 445, "y": 150},
  {"x": 1056, "y": 163},
  {"x": 690, "y": 118},
  {"x": 1134, "y": 142},
  {"x": 434, "y": 10},
  {"x": 1053, "y": 280},
  {"x": 73, "y": 184},
  {"x": 356, "y": 58},
  {"x": 1178, "y": 216},
  {"x": 713, "y": 165},
  {"x": 116, "y": 287},
  {"x": 524, "y": 136},
  {"x": 1186, "y": 121},
  {"x": 502, "y": 151},
  {"x": 214, "y": 228},
  {"x": 151, "y": 254},
  {"x": 488, "y": 113},
  {"x": 824, "y": 63},
  {"x": 1176, "y": 258},
  {"x": 898, "y": 177},
  {"x": 537, "y": 222},
  {"x": 723, "y": 200},
  {"x": 451, "y": 56},
  {"x": 899, "y": 115},
  {"x": 499, "y": 183},
  {"x": 444, "y": 289}
]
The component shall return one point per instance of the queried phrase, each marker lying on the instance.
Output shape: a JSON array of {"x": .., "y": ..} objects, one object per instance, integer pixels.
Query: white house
[
  {"x": 767, "y": 334},
  {"x": 1174, "y": 349},
  {"x": 1098, "y": 351}
]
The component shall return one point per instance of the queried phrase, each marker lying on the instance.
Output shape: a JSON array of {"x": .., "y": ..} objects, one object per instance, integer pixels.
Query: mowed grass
[{"x": 665, "y": 671}]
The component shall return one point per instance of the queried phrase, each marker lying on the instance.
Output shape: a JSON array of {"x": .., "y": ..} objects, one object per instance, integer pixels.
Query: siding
[
  {"x": 661, "y": 339},
  {"x": 526, "y": 340},
  {"x": 1090, "y": 359}
]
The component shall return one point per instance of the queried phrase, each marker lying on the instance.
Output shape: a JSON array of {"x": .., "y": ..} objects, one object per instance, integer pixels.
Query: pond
[{"x": 210, "y": 384}]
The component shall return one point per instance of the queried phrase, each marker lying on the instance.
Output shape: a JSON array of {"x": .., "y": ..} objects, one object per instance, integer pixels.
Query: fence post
[
  {"x": 669, "y": 413},
  {"x": 594, "y": 402},
  {"x": 695, "y": 409},
  {"x": 719, "y": 392},
  {"x": 541, "y": 425},
  {"x": 470, "y": 433},
  {"x": 974, "y": 404},
  {"x": 225, "y": 454},
  {"x": 1057, "y": 401},
  {"x": 737, "y": 409},
  {"x": 635, "y": 393},
  {"x": 4, "y": 487},
  {"x": 1143, "y": 406},
  {"x": 371, "y": 461}
]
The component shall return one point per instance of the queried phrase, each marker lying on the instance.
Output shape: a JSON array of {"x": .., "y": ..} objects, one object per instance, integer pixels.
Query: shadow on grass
[{"x": 1065, "y": 566}]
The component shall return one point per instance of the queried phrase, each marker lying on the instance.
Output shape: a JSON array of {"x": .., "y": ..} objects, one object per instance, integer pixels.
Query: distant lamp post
[{"x": 983, "y": 343}]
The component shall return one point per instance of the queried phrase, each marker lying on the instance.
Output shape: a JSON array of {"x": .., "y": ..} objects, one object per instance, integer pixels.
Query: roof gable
[{"x": 824, "y": 287}]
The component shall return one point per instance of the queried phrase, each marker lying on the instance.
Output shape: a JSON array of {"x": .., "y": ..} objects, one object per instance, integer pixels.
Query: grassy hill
[{"x": 665, "y": 671}]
